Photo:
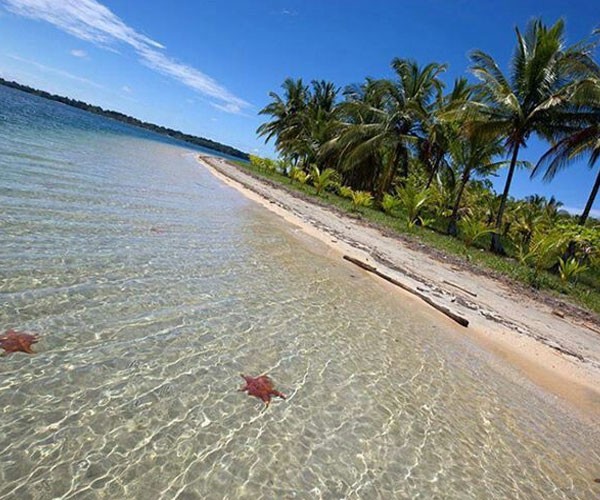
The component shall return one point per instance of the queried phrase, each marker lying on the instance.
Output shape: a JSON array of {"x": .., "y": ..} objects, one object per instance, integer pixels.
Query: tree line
[
  {"x": 115, "y": 115},
  {"x": 409, "y": 144}
]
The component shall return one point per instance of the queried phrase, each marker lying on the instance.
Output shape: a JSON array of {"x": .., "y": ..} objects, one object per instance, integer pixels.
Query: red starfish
[
  {"x": 13, "y": 341},
  {"x": 261, "y": 387}
]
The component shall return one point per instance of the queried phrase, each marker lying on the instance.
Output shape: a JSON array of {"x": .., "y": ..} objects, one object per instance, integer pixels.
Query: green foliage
[
  {"x": 570, "y": 268},
  {"x": 299, "y": 175},
  {"x": 543, "y": 251},
  {"x": 361, "y": 199},
  {"x": 405, "y": 132},
  {"x": 345, "y": 192},
  {"x": 585, "y": 240},
  {"x": 472, "y": 229},
  {"x": 265, "y": 164},
  {"x": 412, "y": 200},
  {"x": 322, "y": 180},
  {"x": 441, "y": 199},
  {"x": 390, "y": 204},
  {"x": 282, "y": 166}
]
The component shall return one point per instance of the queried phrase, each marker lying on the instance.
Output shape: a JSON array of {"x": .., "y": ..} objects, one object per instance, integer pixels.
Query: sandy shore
[{"x": 561, "y": 355}]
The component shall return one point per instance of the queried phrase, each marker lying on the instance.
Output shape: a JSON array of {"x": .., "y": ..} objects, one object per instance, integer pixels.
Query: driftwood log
[{"x": 443, "y": 309}]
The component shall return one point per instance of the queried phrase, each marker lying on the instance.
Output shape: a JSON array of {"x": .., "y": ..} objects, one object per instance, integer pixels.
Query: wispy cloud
[
  {"x": 56, "y": 71},
  {"x": 126, "y": 89},
  {"x": 79, "y": 53},
  {"x": 93, "y": 22}
]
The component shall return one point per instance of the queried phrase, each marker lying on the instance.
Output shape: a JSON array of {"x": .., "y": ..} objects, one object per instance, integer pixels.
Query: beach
[
  {"x": 152, "y": 284},
  {"x": 553, "y": 344}
]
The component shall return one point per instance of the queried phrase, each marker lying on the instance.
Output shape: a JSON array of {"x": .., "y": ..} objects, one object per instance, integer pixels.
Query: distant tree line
[{"x": 115, "y": 115}]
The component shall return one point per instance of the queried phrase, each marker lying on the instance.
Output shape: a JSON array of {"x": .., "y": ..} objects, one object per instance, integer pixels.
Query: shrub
[
  {"x": 412, "y": 200},
  {"x": 390, "y": 204},
  {"x": 321, "y": 180},
  {"x": 471, "y": 229},
  {"x": 570, "y": 268},
  {"x": 345, "y": 192},
  {"x": 361, "y": 199}
]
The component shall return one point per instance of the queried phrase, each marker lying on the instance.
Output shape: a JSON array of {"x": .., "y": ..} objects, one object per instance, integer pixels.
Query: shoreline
[{"x": 557, "y": 354}]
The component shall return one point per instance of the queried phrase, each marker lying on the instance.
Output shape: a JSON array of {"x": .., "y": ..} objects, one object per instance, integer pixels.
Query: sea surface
[{"x": 153, "y": 286}]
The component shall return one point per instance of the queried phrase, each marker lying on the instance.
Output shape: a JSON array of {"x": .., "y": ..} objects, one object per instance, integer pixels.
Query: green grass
[{"x": 585, "y": 292}]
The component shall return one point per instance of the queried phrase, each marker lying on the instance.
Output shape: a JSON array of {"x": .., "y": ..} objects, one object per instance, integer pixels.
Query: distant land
[{"x": 115, "y": 115}]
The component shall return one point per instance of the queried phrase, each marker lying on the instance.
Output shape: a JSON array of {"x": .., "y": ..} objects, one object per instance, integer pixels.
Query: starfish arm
[{"x": 279, "y": 394}]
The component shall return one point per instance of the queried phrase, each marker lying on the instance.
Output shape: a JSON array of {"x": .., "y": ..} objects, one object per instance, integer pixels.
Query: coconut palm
[
  {"x": 584, "y": 141},
  {"x": 472, "y": 154},
  {"x": 286, "y": 125},
  {"x": 360, "y": 169},
  {"x": 303, "y": 119},
  {"x": 386, "y": 118},
  {"x": 534, "y": 99},
  {"x": 318, "y": 120},
  {"x": 439, "y": 132}
]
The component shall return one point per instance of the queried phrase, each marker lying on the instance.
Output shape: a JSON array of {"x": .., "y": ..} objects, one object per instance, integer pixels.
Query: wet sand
[{"x": 561, "y": 355}]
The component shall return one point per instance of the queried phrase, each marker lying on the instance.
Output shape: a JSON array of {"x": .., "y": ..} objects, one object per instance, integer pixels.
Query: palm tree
[
  {"x": 584, "y": 141},
  {"x": 385, "y": 118},
  {"x": 472, "y": 154},
  {"x": 359, "y": 169},
  {"x": 439, "y": 132},
  {"x": 544, "y": 77},
  {"x": 286, "y": 111},
  {"x": 303, "y": 120}
]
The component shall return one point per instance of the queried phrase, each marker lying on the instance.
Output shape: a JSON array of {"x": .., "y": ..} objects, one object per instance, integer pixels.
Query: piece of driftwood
[
  {"x": 472, "y": 294},
  {"x": 443, "y": 309}
]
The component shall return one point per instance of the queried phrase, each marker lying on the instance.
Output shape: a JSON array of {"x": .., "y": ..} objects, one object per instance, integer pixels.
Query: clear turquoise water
[{"x": 153, "y": 287}]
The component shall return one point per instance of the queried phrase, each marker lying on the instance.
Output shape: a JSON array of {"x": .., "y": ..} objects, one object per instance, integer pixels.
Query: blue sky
[{"x": 206, "y": 67}]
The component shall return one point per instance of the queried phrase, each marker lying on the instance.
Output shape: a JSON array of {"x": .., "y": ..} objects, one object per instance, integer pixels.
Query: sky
[{"x": 206, "y": 68}]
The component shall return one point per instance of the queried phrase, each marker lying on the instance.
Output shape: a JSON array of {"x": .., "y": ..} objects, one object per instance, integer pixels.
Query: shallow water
[{"x": 153, "y": 287}]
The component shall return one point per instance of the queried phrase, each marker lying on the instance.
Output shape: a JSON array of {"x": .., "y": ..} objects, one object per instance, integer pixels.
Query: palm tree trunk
[
  {"x": 403, "y": 155},
  {"x": 434, "y": 170},
  {"x": 590, "y": 202},
  {"x": 452, "y": 229},
  {"x": 388, "y": 174},
  {"x": 496, "y": 244}
]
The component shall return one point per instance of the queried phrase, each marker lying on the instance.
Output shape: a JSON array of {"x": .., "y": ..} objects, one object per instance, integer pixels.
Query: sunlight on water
[{"x": 153, "y": 287}]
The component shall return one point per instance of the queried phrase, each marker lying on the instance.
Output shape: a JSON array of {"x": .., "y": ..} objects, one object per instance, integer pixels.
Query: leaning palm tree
[
  {"x": 582, "y": 142},
  {"x": 534, "y": 99}
]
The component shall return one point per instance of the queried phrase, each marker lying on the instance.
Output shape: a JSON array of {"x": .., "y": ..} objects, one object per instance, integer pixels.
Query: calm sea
[{"x": 153, "y": 286}]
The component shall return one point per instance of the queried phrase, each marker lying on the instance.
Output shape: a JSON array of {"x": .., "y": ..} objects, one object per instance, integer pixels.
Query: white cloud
[
  {"x": 79, "y": 53},
  {"x": 93, "y": 22},
  {"x": 126, "y": 89},
  {"x": 56, "y": 71},
  {"x": 227, "y": 107}
]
